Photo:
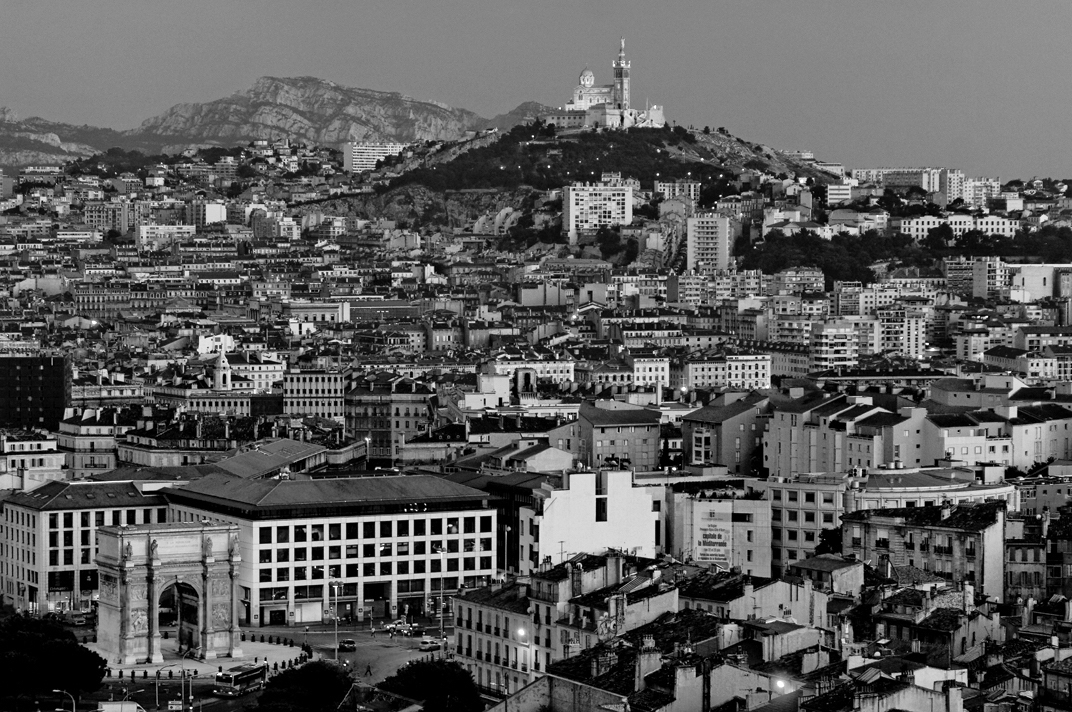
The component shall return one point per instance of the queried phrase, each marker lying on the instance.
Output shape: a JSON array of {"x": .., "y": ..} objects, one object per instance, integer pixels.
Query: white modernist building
[
  {"x": 359, "y": 157},
  {"x": 588, "y": 207},
  {"x": 709, "y": 241},
  {"x": 352, "y": 548}
]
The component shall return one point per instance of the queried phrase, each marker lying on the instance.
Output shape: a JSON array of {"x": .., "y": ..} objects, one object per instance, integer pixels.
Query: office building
[{"x": 392, "y": 544}]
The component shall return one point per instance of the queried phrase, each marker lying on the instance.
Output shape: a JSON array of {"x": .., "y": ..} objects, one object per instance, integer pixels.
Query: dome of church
[{"x": 588, "y": 78}]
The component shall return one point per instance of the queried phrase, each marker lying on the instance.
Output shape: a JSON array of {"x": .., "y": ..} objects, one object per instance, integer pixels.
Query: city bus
[{"x": 240, "y": 679}]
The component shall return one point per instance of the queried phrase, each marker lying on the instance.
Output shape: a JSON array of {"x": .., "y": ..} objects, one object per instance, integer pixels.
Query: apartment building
[
  {"x": 709, "y": 239},
  {"x": 958, "y": 543},
  {"x": 720, "y": 527},
  {"x": 721, "y": 369},
  {"x": 588, "y": 207},
  {"x": 358, "y": 157},
  {"x": 88, "y": 439},
  {"x": 38, "y": 389},
  {"x": 315, "y": 392},
  {"x": 385, "y": 410},
  {"x": 725, "y": 435},
  {"x": 617, "y": 433}
]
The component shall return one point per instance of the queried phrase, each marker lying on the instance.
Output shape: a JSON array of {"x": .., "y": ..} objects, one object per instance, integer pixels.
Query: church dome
[{"x": 587, "y": 78}]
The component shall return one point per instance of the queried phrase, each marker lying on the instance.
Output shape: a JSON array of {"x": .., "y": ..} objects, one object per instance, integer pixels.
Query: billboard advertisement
[{"x": 714, "y": 537}]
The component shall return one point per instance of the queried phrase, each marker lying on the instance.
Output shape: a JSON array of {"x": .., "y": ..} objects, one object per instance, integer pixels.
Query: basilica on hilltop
[{"x": 606, "y": 106}]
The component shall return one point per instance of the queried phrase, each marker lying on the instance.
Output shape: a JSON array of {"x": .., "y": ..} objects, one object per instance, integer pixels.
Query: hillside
[
  {"x": 513, "y": 171},
  {"x": 302, "y": 109}
]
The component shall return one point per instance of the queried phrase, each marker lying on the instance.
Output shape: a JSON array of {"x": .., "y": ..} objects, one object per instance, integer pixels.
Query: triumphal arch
[{"x": 180, "y": 576}]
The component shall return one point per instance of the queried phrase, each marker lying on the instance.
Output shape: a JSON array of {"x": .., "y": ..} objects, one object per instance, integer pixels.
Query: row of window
[
  {"x": 371, "y": 551},
  {"x": 99, "y": 518},
  {"x": 386, "y": 529},
  {"x": 794, "y": 496},
  {"x": 370, "y": 568},
  {"x": 791, "y": 515}
]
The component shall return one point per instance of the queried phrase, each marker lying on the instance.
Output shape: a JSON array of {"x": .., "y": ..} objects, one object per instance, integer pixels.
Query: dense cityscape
[{"x": 591, "y": 411}]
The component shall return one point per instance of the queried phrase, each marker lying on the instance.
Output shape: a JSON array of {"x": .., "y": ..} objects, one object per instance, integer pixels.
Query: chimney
[
  {"x": 648, "y": 660},
  {"x": 227, "y": 429},
  {"x": 576, "y": 580},
  {"x": 947, "y": 509}
]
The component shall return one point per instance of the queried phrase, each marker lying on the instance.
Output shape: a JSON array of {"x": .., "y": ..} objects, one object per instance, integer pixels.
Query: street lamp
[
  {"x": 335, "y": 614},
  {"x": 182, "y": 665},
  {"x": 64, "y": 692},
  {"x": 442, "y": 599}
]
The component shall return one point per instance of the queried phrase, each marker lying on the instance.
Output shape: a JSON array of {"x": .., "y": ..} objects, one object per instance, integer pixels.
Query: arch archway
[
  {"x": 179, "y": 577},
  {"x": 179, "y": 616}
]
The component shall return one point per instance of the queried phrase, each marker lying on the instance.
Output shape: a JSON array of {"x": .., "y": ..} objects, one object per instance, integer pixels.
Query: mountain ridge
[{"x": 300, "y": 108}]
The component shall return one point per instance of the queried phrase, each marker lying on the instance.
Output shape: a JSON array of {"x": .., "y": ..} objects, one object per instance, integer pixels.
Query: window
[
  {"x": 282, "y": 535},
  {"x": 601, "y": 509},
  {"x": 385, "y": 529},
  {"x": 369, "y": 530},
  {"x": 301, "y": 533},
  {"x": 265, "y": 535}
]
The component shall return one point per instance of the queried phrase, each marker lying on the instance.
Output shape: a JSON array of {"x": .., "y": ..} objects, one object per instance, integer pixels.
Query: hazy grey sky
[{"x": 979, "y": 84}]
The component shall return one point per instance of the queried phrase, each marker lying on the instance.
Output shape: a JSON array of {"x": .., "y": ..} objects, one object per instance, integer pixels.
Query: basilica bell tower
[{"x": 621, "y": 79}]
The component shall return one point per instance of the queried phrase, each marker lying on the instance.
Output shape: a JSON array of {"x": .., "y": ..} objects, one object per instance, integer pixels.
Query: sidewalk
[{"x": 252, "y": 652}]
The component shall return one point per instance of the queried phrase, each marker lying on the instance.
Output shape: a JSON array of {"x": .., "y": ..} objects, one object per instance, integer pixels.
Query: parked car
[
  {"x": 428, "y": 644},
  {"x": 348, "y": 645}
]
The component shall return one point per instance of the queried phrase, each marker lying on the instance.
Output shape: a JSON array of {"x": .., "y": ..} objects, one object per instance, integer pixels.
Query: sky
[{"x": 974, "y": 84}]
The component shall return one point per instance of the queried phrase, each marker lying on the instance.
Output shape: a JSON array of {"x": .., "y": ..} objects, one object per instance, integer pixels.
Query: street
[{"x": 383, "y": 653}]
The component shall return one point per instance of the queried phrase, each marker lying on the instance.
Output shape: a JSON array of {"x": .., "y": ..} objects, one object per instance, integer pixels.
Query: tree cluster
[
  {"x": 518, "y": 159},
  {"x": 314, "y": 687},
  {"x": 443, "y": 686},
  {"x": 844, "y": 258},
  {"x": 38, "y": 656}
]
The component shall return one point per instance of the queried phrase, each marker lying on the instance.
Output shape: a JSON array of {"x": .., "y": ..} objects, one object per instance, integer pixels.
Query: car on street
[
  {"x": 401, "y": 627},
  {"x": 348, "y": 645},
  {"x": 428, "y": 644}
]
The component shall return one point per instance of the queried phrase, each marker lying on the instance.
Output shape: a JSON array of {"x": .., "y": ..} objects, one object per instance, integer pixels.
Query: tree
[
  {"x": 443, "y": 685},
  {"x": 707, "y": 130},
  {"x": 315, "y": 687},
  {"x": 829, "y": 541},
  {"x": 38, "y": 656},
  {"x": 938, "y": 238}
]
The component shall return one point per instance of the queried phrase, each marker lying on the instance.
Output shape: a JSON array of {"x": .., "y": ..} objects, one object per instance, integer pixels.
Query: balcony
[
  {"x": 469, "y": 652},
  {"x": 458, "y": 623},
  {"x": 924, "y": 547},
  {"x": 495, "y": 660},
  {"x": 910, "y": 546},
  {"x": 946, "y": 550},
  {"x": 496, "y": 632},
  {"x": 970, "y": 553},
  {"x": 480, "y": 655},
  {"x": 856, "y": 541},
  {"x": 524, "y": 667},
  {"x": 513, "y": 664},
  {"x": 882, "y": 543}
]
